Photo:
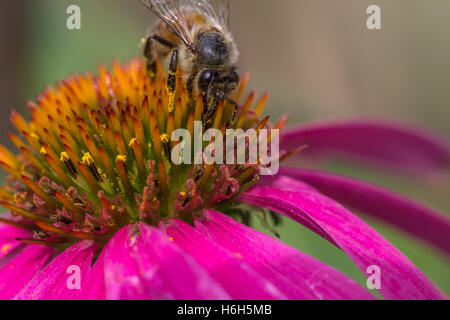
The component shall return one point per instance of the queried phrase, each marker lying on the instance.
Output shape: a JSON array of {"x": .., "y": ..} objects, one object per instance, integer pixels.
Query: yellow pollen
[
  {"x": 171, "y": 239},
  {"x": 64, "y": 157},
  {"x": 101, "y": 173},
  {"x": 18, "y": 197},
  {"x": 183, "y": 193},
  {"x": 121, "y": 158},
  {"x": 113, "y": 207},
  {"x": 132, "y": 142},
  {"x": 165, "y": 138},
  {"x": 43, "y": 151},
  {"x": 34, "y": 136},
  {"x": 239, "y": 255},
  {"x": 87, "y": 159},
  {"x": 5, "y": 248}
]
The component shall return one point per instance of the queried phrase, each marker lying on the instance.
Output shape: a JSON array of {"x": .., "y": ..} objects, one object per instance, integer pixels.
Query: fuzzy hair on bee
[{"x": 195, "y": 37}]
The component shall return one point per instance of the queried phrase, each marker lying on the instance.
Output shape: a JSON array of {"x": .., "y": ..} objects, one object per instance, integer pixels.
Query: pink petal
[
  {"x": 385, "y": 143},
  {"x": 378, "y": 202},
  {"x": 8, "y": 236},
  {"x": 95, "y": 288},
  {"x": 140, "y": 262},
  {"x": 296, "y": 274},
  {"x": 284, "y": 182},
  {"x": 228, "y": 269},
  {"x": 58, "y": 280},
  {"x": 15, "y": 275},
  {"x": 400, "y": 278}
]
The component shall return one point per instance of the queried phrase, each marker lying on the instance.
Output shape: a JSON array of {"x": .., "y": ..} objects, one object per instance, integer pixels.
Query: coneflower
[{"x": 95, "y": 188}]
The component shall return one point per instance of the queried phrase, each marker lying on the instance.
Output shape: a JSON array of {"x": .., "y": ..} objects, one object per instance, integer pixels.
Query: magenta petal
[
  {"x": 383, "y": 142},
  {"x": 15, "y": 275},
  {"x": 378, "y": 202},
  {"x": 8, "y": 236},
  {"x": 284, "y": 182},
  {"x": 64, "y": 278},
  {"x": 296, "y": 274},
  {"x": 140, "y": 262},
  {"x": 95, "y": 287},
  {"x": 400, "y": 278},
  {"x": 225, "y": 266}
]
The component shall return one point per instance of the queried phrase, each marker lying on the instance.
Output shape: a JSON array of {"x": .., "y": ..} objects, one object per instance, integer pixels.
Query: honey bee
[{"x": 195, "y": 34}]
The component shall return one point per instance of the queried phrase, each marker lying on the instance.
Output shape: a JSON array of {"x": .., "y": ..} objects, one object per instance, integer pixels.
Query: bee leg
[
  {"x": 236, "y": 108},
  {"x": 209, "y": 113},
  {"x": 163, "y": 41},
  {"x": 172, "y": 79},
  {"x": 150, "y": 55},
  {"x": 151, "y": 60},
  {"x": 190, "y": 85}
]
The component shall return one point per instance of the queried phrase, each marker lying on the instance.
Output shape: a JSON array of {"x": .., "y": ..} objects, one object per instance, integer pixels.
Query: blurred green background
[{"x": 316, "y": 57}]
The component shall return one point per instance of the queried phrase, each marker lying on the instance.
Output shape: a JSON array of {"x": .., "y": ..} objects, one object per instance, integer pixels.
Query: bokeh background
[{"x": 316, "y": 57}]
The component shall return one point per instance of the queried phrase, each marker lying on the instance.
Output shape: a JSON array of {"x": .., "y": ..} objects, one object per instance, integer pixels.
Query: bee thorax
[{"x": 212, "y": 49}]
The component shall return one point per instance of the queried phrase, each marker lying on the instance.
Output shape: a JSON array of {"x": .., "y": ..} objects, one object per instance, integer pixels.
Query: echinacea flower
[{"x": 99, "y": 209}]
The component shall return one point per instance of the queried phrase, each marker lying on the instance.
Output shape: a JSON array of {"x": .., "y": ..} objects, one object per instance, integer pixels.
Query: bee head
[{"x": 213, "y": 82}]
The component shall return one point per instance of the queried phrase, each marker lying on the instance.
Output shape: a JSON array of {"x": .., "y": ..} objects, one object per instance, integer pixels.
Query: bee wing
[
  {"x": 217, "y": 10},
  {"x": 170, "y": 12}
]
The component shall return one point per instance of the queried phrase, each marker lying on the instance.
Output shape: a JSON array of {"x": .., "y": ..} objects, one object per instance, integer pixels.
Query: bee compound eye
[{"x": 205, "y": 79}]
